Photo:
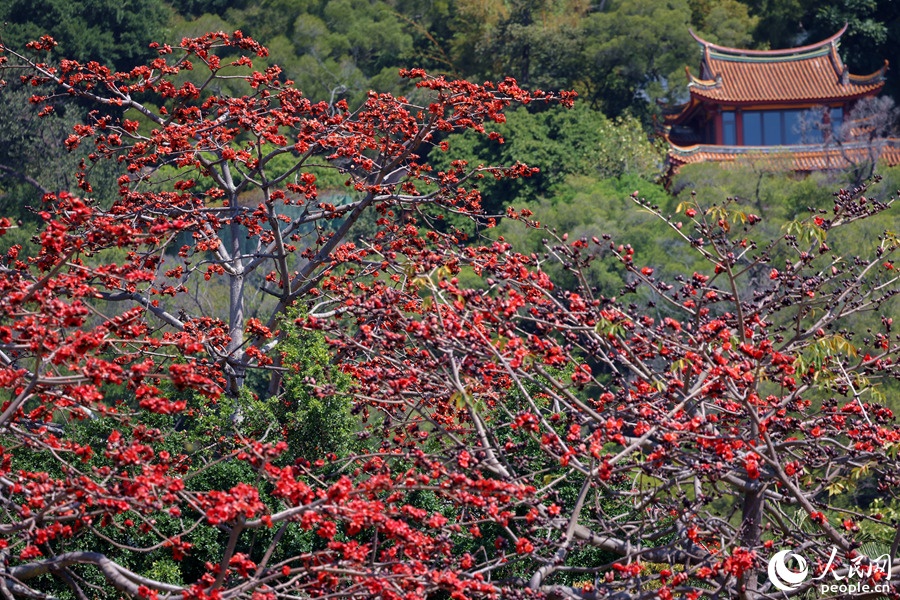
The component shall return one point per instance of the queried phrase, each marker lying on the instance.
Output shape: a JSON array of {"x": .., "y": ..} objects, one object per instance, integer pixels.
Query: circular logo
[{"x": 783, "y": 577}]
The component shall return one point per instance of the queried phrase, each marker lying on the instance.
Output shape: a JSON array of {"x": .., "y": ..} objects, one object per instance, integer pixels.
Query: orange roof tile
[
  {"x": 787, "y": 158},
  {"x": 813, "y": 73}
]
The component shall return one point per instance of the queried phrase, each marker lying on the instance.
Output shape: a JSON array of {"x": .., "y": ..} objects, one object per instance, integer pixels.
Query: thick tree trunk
[
  {"x": 751, "y": 529},
  {"x": 236, "y": 332},
  {"x": 236, "y": 300}
]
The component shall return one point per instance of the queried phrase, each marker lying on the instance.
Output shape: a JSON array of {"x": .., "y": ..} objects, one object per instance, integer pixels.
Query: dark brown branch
[{"x": 26, "y": 178}]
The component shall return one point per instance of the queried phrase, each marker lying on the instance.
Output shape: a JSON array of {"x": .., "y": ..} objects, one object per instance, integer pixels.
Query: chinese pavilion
[{"x": 756, "y": 103}]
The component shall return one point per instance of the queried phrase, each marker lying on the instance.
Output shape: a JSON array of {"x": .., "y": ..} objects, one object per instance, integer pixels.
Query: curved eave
[
  {"x": 872, "y": 78},
  {"x": 764, "y": 53},
  {"x": 686, "y": 111},
  {"x": 701, "y": 83},
  {"x": 702, "y": 95}
]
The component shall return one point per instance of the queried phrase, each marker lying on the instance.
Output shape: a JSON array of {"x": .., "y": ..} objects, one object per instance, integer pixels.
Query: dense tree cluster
[{"x": 619, "y": 56}]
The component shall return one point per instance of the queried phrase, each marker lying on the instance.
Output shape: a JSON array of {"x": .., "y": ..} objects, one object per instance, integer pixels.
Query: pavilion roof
[{"x": 809, "y": 74}]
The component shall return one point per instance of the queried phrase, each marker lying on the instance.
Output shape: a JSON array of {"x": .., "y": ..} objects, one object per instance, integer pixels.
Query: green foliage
[
  {"x": 167, "y": 570},
  {"x": 782, "y": 197},
  {"x": 115, "y": 32},
  {"x": 314, "y": 409},
  {"x": 865, "y": 45},
  {"x": 336, "y": 49},
  {"x": 777, "y": 26},
  {"x": 625, "y": 150},
  {"x": 560, "y": 143},
  {"x": 368, "y": 32},
  {"x": 889, "y": 186},
  {"x": 638, "y": 50},
  {"x": 312, "y": 413},
  {"x": 584, "y": 207},
  {"x": 195, "y": 8},
  {"x": 620, "y": 55},
  {"x": 775, "y": 195},
  {"x": 473, "y": 24},
  {"x": 200, "y": 25},
  {"x": 311, "y": 423},
  {"x": 535, "y": 43},
  {"x": 779, "y": 197},
  {"x": 33, "y": 159},
  {"x": 728, "y": 22}
]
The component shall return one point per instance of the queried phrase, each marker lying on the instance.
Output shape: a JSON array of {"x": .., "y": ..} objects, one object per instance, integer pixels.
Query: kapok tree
[
  {"x": 105, "y": 324},
  {"x": 516, "y": 438},
  {"x": 675, "y": 442}
]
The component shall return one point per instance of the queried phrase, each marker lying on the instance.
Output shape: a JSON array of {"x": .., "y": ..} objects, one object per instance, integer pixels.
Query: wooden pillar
[
  {"x": 739, "y": 126},
  {"x": 717, "y": 123}
]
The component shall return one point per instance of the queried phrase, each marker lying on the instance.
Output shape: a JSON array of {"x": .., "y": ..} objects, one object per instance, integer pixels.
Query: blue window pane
[
  {"x": 752, "y": 123},
  {"x": 814, "y": 126},
  {"x": 837, "y": 119},
  {"x": 792, "y": 132},
  {"x": 772, "y": 128},
  {"x": 729, "y": 133}
]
